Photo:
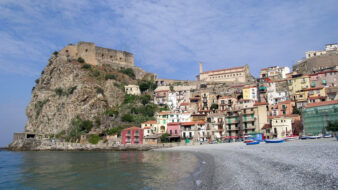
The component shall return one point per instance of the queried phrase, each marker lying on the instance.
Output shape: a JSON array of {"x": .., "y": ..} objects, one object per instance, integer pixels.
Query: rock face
[{"x": 67, "y": 89}]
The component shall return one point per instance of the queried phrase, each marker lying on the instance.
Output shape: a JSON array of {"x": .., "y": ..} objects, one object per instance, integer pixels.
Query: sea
[{"x": 98, "y": 170}]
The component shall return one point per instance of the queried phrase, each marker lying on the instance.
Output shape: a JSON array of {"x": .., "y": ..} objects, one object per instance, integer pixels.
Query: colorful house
[
  {"x": 250, "y": 93},
  {"x": 132, "y": 135},
  {"x": 152, "y": 124}
]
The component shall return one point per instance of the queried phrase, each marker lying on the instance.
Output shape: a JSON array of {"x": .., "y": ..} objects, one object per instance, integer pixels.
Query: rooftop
[
  {"x": 321, "y": 104},
  {"x": 228, "y": 69}
]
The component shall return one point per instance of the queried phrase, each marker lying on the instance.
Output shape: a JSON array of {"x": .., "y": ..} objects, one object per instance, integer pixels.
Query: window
[
  {"x": 171, "y": 131},
  {"x": 175, "y": 131}
]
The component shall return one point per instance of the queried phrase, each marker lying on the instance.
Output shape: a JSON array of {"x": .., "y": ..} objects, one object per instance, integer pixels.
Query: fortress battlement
[{"x": 98, "y": 55}]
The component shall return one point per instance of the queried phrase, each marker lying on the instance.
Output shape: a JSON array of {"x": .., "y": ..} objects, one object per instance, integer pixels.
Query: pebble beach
[{"x": 300, "y": 164}]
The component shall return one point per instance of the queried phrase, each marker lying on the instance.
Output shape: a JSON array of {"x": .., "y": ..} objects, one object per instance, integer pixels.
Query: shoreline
[{"x": 308, "y": 164}]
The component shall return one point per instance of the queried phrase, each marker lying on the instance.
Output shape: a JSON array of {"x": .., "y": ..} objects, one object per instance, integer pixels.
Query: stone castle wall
[{"x": 97, "y": 55}]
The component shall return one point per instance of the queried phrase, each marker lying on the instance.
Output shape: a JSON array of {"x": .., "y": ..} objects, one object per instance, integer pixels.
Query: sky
[{"x": 168, "y": 38}]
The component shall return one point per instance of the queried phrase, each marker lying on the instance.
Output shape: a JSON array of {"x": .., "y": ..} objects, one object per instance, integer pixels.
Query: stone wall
[{"x": 316, "y": 63}]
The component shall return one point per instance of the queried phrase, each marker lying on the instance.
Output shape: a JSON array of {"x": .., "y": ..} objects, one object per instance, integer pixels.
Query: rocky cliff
[{"x": 69, "y": 88}]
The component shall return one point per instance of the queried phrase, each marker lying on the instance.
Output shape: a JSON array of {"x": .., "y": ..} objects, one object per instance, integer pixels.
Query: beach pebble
[{"x": 198, "y": 182}]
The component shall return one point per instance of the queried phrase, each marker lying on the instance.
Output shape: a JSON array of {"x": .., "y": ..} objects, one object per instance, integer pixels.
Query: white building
[
  {"x": 274, "y": 96},
  {"x": 281, "y": 127},
  {"x": 275, "y": 71},
  {"x": 132, "y": 89},
  {"x": 328, "y": 47}
]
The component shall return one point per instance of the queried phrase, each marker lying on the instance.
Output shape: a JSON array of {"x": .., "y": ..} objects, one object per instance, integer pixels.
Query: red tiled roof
[
  {"x": 249, "y": 87},
  {"x": 147, "y": 128},
  {"x": 164, "y": 113},
  {"x": 323, "y": 72},
  {"x": 266, "y": 126},
  {"x": 321, "y": 104},
  {"x": 260, "y": 103},
  {"x": 150, "y": 122},
  {"x": 201, "y": 122},
  {"x": 228, "y": 69},
  {"x": 316, "y": 97},
  {"x": 184, "y": 104},
  {"x": 174, "y": 123},
  {"x": 285, "y": 102},
  {"x": 133, "y": 127},
  {"x": 187, "y": 123},
  {"x": 316, "y": 88}
]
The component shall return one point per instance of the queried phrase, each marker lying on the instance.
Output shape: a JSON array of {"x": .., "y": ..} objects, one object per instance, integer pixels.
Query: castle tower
[{"x": 201, "y": 69}]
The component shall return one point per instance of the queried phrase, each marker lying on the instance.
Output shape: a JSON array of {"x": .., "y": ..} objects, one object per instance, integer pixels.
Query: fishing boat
[
  {"x": 252, "y": 143},
  {"x": 274, "y": 140},
  {"x": 248, "y": 141},
  {"x": 291, "y": 138}
]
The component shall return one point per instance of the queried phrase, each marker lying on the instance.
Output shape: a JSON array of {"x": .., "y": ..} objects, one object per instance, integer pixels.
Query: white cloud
[{"x": 169, "y": 36}]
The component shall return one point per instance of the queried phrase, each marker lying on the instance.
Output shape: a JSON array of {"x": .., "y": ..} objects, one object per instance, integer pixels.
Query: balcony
[
  {"x": 248, "y": 112},
  {"x": 231, "y": 121},
  {"x": 136, "y": 134},
  {"x": 249, "y": 119}
]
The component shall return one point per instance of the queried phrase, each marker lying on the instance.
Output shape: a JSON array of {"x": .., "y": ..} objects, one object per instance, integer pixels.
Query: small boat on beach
[
  {"x": 252, "y": 143},
  {"x": 274, "y": 140},
  {"x": 248, "y": 141}
]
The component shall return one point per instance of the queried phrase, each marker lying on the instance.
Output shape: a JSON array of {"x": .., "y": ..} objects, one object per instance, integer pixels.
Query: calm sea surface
[{"x": 96, "y": 170}]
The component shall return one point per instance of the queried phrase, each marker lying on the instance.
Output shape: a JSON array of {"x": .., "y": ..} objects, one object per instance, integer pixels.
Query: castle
[
  {"x": 230, "y": 75},
  {"x": 100, "y": 56}
]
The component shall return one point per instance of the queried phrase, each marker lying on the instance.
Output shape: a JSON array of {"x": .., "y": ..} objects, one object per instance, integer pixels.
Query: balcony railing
[
  {"x": 232, "y": 121},
  {"x": 249, "y": 119}
]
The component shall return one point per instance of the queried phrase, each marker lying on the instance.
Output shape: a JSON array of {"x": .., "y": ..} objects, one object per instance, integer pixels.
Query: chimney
[{"x": 201, "y": 69}]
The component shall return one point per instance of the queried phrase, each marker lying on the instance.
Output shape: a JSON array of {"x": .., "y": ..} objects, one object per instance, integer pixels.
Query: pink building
[
  {"x": 132, "y": 135},
  {"x": 286, "y": 107},
  {"x": 174, "y": 129}
]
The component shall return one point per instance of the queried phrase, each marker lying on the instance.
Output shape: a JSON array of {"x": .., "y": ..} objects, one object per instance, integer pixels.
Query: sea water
[{"x": 97, "y": 170}]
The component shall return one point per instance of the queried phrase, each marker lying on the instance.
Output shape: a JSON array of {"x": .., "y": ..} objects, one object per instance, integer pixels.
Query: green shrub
[
  {"x": 59, "y": 91},
  {"x": 145, "y": 99},
  {"x": 145, "y": 85},
  {"x": 94, "y": 139},
  {"x": 86, "y": 66},
  {"x": 39, "y": 105},
  {"x": 129, "y": 98},
  {"x": 111, "y": 112},
  {"x": 165, "y": 138},
  {"x": 96, "y": 73},
  {"x": 99, "y": 90},
  {"x": 109, "y": 76},
  {"x": 82, "y": 125},
  {"x": 165, "y": 108},
  {"x": 80, "y": 60},
  {"x": 97, "y": 121},
  {"x": 115, "y": 130},
  {"x": 55, "y": 53},
  {"x": 127, "y": 118},
  {"x": 62, "y": 133},
  {"x": 37, "y": 81},
  {"x": 129, "y": 72},
  {"x": 71, "y": 90}
]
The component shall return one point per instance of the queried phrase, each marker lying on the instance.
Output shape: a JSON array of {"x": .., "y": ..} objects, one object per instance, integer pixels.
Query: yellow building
[
  {"x": 297, "y": 83},
  {"x": 162, "y": 121},
  {"x": 250, "y": 93}
]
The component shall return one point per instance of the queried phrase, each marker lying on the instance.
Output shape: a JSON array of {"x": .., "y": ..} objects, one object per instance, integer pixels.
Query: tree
[
  {"x": 129, "y": 72},
  {"x": 296, "y": 111},
  {"x": 165, "y": 137},
  {"x": 145, "y": 99},
  {"x": 127, "y": 118},
  {"x": 332, "y": 126}
]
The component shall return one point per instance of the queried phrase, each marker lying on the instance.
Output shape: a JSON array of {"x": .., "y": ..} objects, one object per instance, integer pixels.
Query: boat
[
  {"x": 249, "y": 140},
  {"x": 274, "y": 140},
  {"x": 291, "y": 138},
  {"x": 315, "y": 137},
  {"x": 252, "y": 143},
  {"x": 327, "y": 136}
]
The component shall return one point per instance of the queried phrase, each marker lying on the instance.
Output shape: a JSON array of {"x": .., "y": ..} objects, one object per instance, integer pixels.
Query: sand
[{"x": 301, "y": 164}]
